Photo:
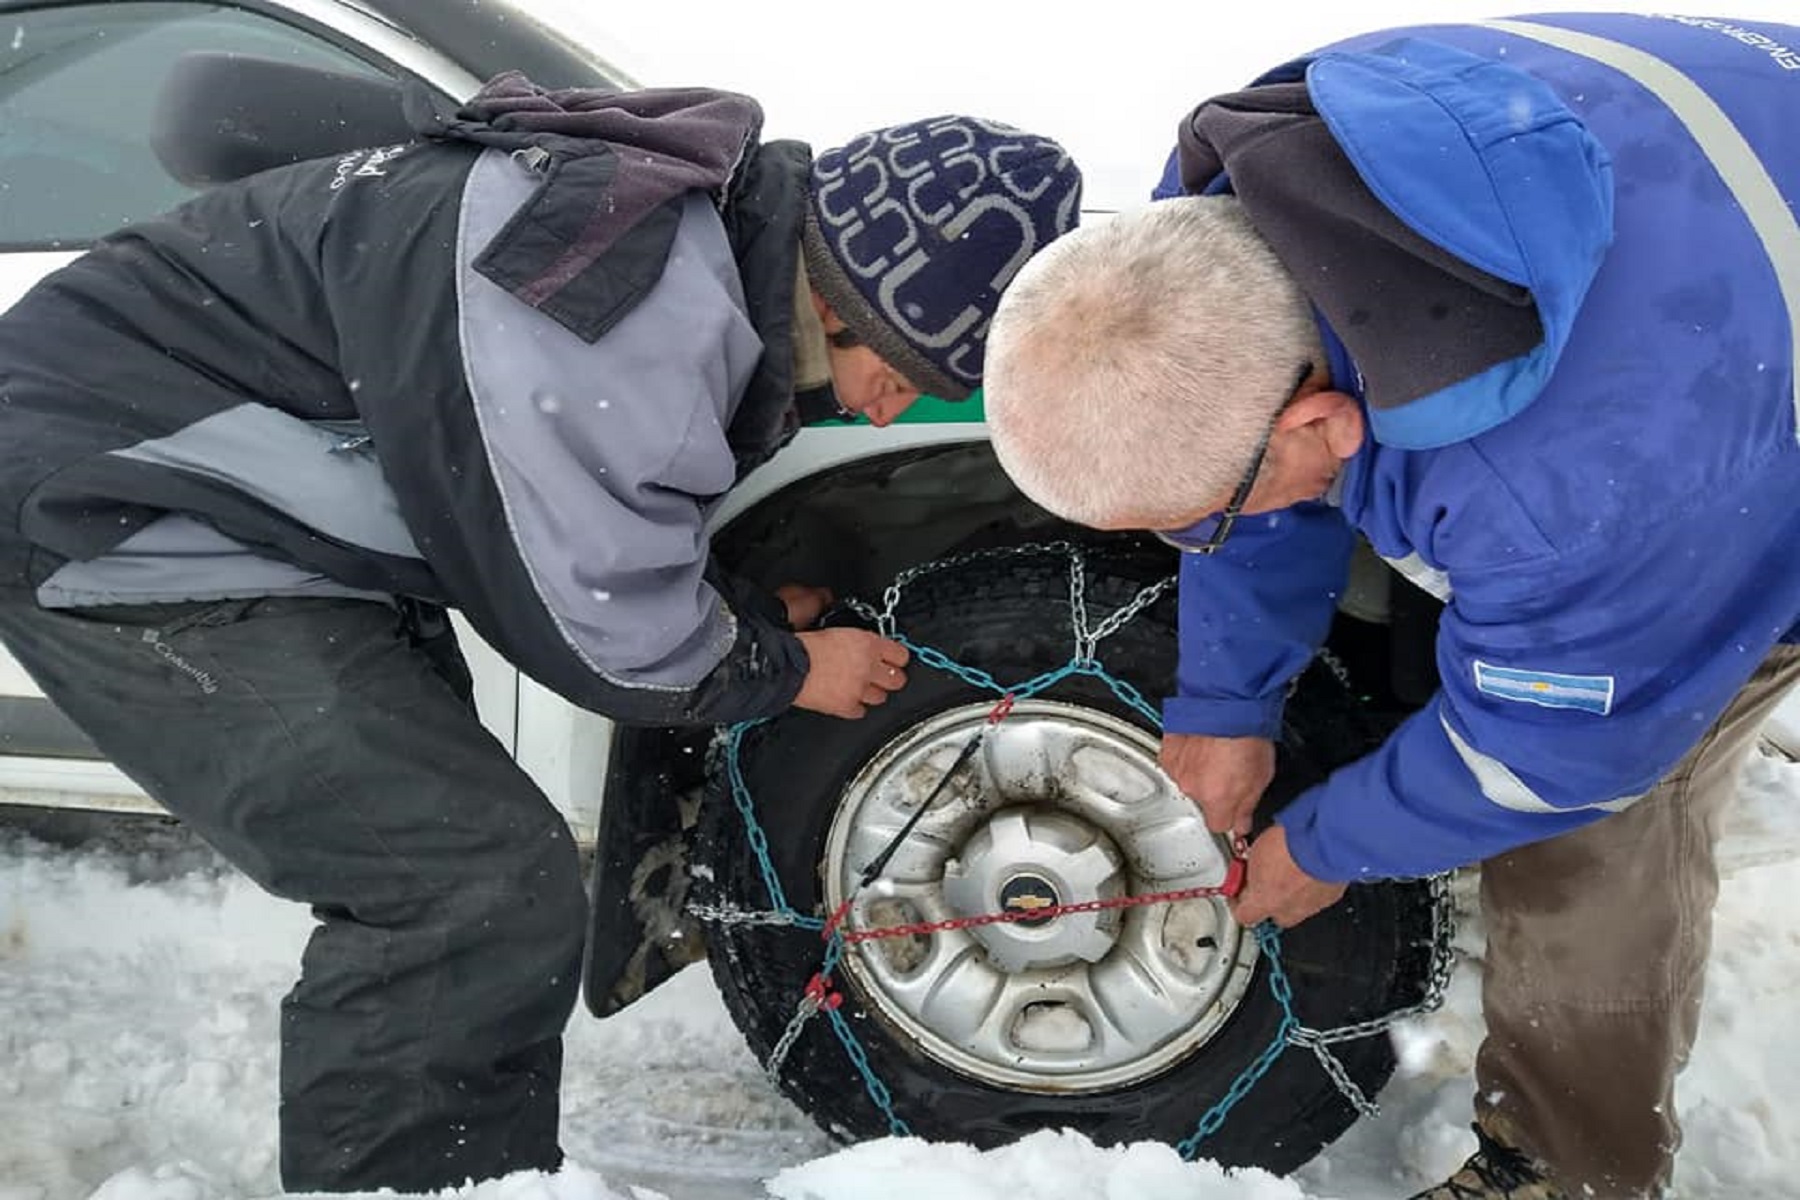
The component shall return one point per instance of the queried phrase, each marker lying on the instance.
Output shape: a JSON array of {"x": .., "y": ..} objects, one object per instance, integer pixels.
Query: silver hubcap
[{"x": 1062, "y": 805}]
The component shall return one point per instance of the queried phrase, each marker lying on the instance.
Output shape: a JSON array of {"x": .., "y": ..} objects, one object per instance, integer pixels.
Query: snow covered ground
[
  {"x": 138, "y": 988},
  {"x": 139, "y": 977}
]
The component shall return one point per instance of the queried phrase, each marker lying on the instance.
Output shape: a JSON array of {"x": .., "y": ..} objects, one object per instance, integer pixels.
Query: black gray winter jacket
[{"x": 507, "y": 368}]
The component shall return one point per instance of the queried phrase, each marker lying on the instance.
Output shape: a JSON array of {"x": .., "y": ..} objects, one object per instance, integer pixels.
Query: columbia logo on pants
[{"x": 168, "y": 653}]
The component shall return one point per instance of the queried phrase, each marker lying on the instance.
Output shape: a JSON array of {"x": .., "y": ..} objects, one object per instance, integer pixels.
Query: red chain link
[
  {"x": 837, "y": 918},
  {"x": 817, "y": 989},
  {"x": 1234, "y": 883}
]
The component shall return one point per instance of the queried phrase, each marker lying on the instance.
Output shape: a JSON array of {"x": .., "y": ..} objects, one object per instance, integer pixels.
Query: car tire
[{"x": 1009, "y": 616}]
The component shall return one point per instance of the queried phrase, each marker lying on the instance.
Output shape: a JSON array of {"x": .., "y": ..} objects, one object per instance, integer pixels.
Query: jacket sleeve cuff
[
  {"x": 1224, "y": 718},
  {"x": 759, "y": 678}
]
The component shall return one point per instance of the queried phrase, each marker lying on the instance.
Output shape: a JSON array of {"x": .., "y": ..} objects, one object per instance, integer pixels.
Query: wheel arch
[
  {"x": 837, "y": 515},
  {"x": 853, "y": 523},
  {"x": 825, "y": 512}
]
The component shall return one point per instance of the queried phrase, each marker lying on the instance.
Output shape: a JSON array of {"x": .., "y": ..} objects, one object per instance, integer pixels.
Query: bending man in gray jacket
[{"x": 255, "y": 447}]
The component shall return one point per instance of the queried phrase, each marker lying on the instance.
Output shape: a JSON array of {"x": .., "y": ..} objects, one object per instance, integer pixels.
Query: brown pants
[{"x": 1597, "y": 947}]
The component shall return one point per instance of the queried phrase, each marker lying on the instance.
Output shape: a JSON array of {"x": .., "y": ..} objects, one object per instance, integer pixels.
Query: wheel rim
[{"x": 1062, "y": 804}]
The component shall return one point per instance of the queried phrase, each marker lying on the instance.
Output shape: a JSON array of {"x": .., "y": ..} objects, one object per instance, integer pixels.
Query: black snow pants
[{"x": 330, "y": 750}]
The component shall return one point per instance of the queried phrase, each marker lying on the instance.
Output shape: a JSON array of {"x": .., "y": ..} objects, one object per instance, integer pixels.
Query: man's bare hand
[
  {"x": 805, "y": 605},
  {"x": 1277, "y": 889},
  {"x": 850, "y": 669},
  {"x": 1224, "y": 776}
]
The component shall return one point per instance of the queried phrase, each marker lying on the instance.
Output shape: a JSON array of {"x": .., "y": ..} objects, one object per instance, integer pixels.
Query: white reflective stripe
[
  {"x": 1422, "y": 574},
  {"x": 1499, "y": 784},
  {"x": 1737, "y": 164}
]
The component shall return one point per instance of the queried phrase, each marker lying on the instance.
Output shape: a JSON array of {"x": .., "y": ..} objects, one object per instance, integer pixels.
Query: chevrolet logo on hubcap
[{"x": 1028, "y": 894}]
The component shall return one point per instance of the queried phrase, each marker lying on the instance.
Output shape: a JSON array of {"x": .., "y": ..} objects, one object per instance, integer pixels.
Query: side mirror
[{"x": 224, "y": 116}]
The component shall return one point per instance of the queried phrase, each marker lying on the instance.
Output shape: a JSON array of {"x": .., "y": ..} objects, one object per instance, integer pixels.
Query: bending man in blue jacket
[{"x": 1516, "y": 302}]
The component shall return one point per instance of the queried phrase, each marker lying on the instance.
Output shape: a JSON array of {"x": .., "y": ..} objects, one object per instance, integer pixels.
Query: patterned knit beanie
[{"x": 913, "y": 231}]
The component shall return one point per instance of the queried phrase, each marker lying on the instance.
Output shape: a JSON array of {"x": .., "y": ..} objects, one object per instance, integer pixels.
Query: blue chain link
[
  {"x": 1268, "y": 938},
  {"x": 872, "y": 1084},
  {"x": 753, "y": 830},
  {"x": 975, "y": 677}
]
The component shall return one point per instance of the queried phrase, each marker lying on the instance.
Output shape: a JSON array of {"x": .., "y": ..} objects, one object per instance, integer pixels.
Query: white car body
[{"x": 562, "y": 747}]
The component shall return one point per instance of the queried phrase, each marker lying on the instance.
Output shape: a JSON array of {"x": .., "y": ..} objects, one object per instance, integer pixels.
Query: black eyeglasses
[{"x": 1206, "y": 535}]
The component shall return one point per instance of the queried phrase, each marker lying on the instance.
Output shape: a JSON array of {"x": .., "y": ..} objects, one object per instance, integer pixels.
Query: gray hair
[{"x": 1134, "y": 364}]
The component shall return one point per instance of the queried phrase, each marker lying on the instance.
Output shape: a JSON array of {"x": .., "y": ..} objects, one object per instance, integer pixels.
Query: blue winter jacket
[{"x": 1611, "y": 502}]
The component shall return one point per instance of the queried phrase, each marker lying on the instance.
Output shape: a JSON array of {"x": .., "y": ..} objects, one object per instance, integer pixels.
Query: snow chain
[{"x": 819, "y": 998}]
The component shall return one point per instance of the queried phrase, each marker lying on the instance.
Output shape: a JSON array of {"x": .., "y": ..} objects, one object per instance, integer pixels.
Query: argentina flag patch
[{"x": 1590, "y": 693}]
